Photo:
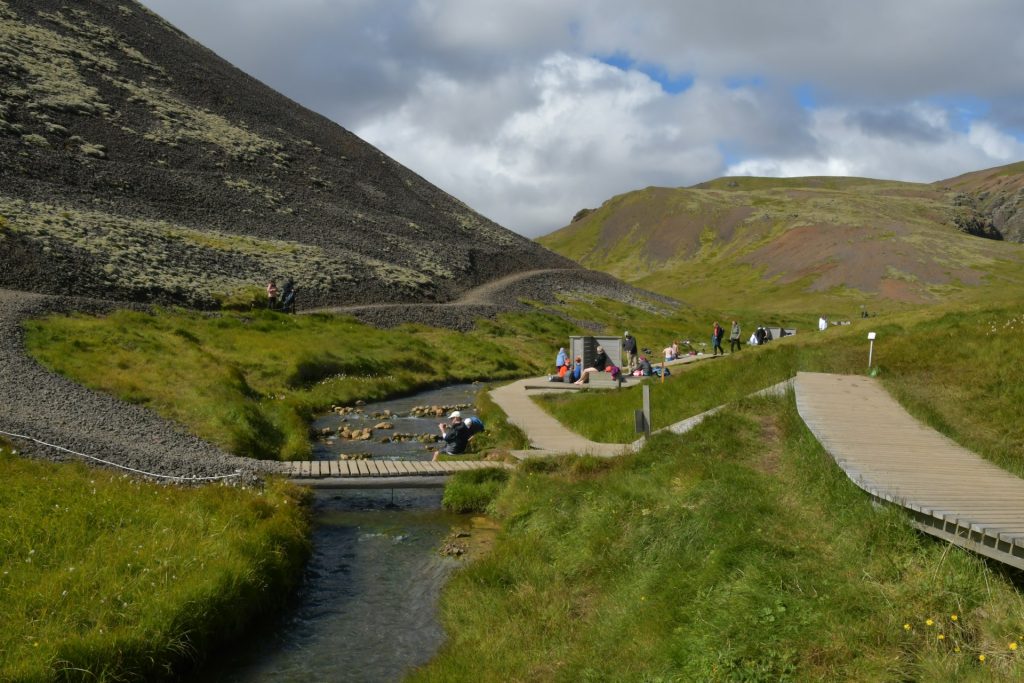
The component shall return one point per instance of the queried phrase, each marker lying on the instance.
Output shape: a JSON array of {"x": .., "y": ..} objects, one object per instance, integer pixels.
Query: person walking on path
[
  {"x": 716, "y": 339},
  {"x": 629, "y": 347},
  {"x": 734, "y": 337},
  {"x": 288, "y": 296},
  {"x": 271, "y": 295}
]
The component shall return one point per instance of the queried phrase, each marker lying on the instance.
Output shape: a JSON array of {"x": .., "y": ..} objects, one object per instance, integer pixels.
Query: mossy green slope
[{"x": 794, "y": 244}]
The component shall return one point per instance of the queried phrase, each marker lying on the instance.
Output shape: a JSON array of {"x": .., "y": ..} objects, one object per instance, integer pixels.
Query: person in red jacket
[{"x": 717, "y": 332}]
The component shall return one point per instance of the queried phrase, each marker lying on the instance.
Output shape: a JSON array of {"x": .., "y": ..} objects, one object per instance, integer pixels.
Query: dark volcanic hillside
[{"x": 135, "y": 163}]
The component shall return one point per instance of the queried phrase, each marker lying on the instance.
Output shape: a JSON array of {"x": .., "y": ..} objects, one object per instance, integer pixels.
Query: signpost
[
  {"x": 871, "y": 347},
  {"x": 643, "y": 417}
]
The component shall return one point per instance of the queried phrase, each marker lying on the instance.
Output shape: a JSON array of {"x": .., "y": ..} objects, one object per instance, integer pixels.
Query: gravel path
[{"x": 37, "y": 403}]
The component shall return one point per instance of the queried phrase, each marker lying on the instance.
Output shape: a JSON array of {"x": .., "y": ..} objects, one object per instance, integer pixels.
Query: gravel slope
[{"x": 38, "y": 403}]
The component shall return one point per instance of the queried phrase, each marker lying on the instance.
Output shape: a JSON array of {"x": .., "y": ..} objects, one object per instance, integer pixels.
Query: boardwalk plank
[{"x": 888, "y": 453}]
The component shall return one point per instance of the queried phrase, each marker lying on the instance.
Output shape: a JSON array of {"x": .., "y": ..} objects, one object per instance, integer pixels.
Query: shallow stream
[
  {"x": 367, "y": 609},
  {"x": 456, "y": 395}
]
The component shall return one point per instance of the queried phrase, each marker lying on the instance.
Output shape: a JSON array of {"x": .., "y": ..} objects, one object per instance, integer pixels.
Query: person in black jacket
[
  {"x": 629, "y": 348},
  {"x": 599, "y": 364},
  {"x": 456, "y": 435}
]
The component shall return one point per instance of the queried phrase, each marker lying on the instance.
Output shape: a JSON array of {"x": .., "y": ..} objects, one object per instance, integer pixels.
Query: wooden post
[{"x": 647, "y": 410}]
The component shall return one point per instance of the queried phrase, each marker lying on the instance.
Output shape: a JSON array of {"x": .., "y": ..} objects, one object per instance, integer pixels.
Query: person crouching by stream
[{"x": 455, "y": 435}]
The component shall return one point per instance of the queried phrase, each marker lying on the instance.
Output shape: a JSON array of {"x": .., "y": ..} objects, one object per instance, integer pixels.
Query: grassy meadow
[
  {"x": 106, "y": 578},
  {"x": 251, "y": 382},
  {"x": 961, "y": 372},
  {"x": 736, "y": 552}
]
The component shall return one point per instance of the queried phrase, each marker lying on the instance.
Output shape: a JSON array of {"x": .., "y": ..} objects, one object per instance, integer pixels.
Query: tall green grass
[
  {"x": 252, "y": 382},
  {"x": 739, "y": 552},
  {"x": 105, "y": 578}
]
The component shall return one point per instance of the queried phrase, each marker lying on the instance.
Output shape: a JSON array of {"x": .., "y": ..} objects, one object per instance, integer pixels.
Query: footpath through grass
[
  {"x": 739, "y": 552},
  {"x": 104, "y": 578},
  {"x": 961, "y": 372}
]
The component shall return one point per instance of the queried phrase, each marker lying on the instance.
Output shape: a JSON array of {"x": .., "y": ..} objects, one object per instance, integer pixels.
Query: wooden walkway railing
[{"x": 948, "y": 491}]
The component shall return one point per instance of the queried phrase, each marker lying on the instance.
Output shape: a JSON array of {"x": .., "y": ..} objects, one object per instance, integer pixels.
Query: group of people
[
  {"x": 718, "y": 333},
  {"x": 572, "y": 370},
  {"x": 283, "y": 299}
]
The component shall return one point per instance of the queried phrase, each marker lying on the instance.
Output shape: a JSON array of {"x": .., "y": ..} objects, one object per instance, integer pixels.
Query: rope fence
[{"x": 123, "y": 467}]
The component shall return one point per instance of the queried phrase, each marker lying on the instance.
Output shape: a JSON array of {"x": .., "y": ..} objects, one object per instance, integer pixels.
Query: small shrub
[
  {"x": 35, "y": 140},
  {"x": 473, "y": 491},
  {"x": 539, "y": 466},
  {"x": 312, "y": 368}
]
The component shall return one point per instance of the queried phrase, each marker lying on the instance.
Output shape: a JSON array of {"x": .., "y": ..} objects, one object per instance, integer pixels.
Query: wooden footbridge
[
  {"x": 947, "y": 490},
  {"x": 370, "y": 474}
]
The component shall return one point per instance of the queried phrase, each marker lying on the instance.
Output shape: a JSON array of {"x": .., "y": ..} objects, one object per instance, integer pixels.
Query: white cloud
[
  {"x": 571, "y": 132},
  {"x": 844, "y": 146},
  {"x": 504, "y": 105}
]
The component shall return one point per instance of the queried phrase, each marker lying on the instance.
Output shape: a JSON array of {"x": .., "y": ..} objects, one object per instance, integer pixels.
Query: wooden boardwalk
[
  {"x": 948, "y": 491},
  {"x": 378, "y": 473}
]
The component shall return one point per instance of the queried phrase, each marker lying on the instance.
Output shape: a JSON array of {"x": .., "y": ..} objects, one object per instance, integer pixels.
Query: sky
[{"x": 530, "y": 110}]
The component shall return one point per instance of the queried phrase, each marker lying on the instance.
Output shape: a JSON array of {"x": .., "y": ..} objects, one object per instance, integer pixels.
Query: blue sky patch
[
  {"x": 737, "y": 82},
  {"x": 963, "y": 110},
  {"x": 673, "y": 84}
]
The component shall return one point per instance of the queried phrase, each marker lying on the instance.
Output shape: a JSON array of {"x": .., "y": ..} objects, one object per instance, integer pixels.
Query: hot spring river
[{"x": 367, "y": 609}]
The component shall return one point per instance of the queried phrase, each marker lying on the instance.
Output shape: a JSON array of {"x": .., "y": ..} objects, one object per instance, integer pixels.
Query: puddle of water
[
  {"x": 403, "y": 421},
  {"x": 367, "y": 610}
]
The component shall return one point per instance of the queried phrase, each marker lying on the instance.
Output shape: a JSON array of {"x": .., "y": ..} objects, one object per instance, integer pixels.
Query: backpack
[{"x": 474, "y": 424}]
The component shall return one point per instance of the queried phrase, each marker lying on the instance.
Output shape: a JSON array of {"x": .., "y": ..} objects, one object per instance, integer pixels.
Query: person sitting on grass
[{"x": 455, "y": 435}]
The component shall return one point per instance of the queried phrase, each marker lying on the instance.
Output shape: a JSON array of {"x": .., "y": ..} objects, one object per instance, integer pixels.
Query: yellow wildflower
[
  {"x": 906, "y": 627},
  {"x": 981, "y": 658},
  {"x": 1012, "y": 646},
  {"x": 952, "y": 617},
  {"x": 941, "y": 637},
  {"x": 928, "y": 622}
]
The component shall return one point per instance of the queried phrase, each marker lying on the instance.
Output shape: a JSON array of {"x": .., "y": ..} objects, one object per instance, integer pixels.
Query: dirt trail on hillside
[{"x": 497, "y": 296}]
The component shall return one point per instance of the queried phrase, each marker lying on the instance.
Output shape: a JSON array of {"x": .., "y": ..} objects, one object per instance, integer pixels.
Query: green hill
[{"x": 788, "y": 244}]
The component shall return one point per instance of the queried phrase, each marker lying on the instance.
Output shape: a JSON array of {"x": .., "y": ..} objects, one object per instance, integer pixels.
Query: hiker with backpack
[
  {"x": 717, "y": 332},
  {"x": 457, "y": 434},
  {"x": 288, "y": 296}
]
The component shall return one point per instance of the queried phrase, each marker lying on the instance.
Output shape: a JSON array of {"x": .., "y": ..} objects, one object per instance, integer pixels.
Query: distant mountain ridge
[
  {"x": 840, "y": 239},
  {"x": 136, "y": 164}
]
